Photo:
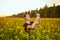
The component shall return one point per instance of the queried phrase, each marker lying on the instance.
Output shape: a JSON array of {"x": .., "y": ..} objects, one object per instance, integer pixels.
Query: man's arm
[{"x": 39, "y": 20}]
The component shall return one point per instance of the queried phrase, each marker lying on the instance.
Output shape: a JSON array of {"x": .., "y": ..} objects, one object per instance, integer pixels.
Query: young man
[{"x": 30, "y": 25}]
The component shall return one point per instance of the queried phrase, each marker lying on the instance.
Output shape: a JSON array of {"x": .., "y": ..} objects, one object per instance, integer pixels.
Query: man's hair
[{"x": 25, "y": 15}]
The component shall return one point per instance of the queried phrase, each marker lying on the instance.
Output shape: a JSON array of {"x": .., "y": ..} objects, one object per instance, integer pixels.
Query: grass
[{"x": 12, "y": 29}]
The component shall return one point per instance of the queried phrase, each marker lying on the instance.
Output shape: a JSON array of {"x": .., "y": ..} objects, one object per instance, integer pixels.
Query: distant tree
[
  {"x": 46, "y": 12},
  {"x": 57, "y": 12}
]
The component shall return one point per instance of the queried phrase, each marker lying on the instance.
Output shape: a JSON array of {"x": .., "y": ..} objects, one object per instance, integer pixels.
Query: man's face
[{"x": 27, "y": 17}]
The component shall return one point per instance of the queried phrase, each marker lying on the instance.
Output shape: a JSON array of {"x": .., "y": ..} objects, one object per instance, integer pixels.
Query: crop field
[{"x": 12, "y": 29}]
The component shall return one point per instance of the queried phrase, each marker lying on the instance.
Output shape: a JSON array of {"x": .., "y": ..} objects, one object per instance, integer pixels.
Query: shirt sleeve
[
  {"x": 31, "y": 23},
  {"x": 25, "y": 25}
]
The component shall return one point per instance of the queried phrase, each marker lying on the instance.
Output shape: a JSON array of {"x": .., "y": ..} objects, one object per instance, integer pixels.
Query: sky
[{"x": 10, "y": 7}]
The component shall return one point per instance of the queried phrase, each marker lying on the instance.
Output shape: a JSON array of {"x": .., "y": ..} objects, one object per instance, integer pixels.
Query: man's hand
[{"x": 37, "y": 17}]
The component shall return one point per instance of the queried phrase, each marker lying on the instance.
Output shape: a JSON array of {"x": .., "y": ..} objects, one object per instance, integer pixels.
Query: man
[{"x": 30, "y": 25}]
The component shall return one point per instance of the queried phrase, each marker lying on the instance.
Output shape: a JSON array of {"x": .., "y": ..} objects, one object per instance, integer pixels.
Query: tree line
[{"x": 45, "y": 12}]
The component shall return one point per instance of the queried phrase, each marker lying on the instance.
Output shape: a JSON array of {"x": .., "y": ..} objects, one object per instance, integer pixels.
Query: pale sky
[{"x": 9, "y": 7}]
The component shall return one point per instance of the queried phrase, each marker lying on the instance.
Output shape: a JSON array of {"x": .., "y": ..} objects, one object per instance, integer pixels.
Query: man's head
[{"x": 27, "y": 17}]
